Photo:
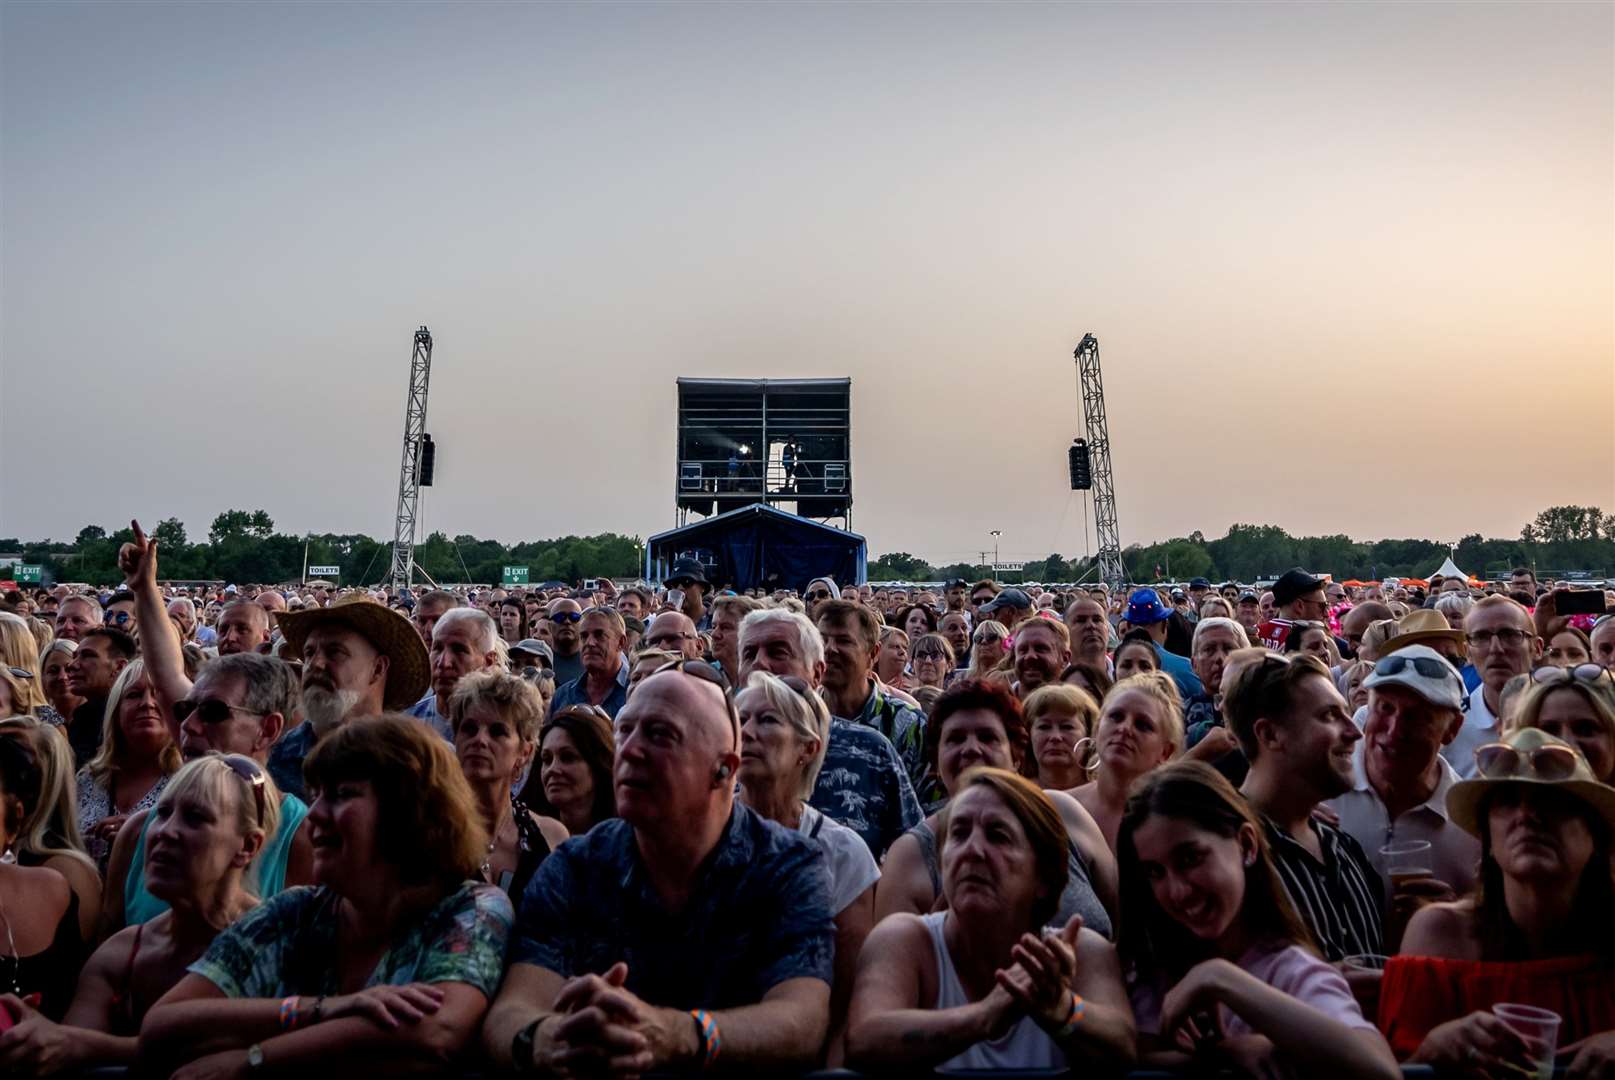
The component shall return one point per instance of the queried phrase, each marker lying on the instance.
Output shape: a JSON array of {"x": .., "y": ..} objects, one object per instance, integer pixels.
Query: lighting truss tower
[
  {"x": 409, "y": 475},
  {"x": 1097, "y": 432}
]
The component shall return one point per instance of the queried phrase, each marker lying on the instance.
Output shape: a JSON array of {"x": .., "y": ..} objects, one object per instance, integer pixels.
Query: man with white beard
[{"x": 360, "y": 658}]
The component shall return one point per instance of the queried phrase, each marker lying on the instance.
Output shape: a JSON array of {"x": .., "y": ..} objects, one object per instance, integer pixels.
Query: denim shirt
[
  {"x": 575, "y": 693},
  {"x": 863, "y": 785},
  {"x": 758, "y": 916}
]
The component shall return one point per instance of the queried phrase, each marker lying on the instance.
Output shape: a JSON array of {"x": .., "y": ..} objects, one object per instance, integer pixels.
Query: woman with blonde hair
[
  {"x": 60, "y": 700},
  {"x": 20, "y": 653},
  {"x": 891, "y": 662},
  {"x": 207, "y": 835},
  {"x": 989, "y": 646},
  {"x": 136, "y": 758},
  {"x": 1575, "y": 705},
  {"x": 1140, "y": 729},
  {"x": 50, "y": 835}
]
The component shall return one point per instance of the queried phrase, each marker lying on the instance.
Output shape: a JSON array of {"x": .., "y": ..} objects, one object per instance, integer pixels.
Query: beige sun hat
[
  {"x": 1420, "y": 628},
  {"x": 394, "y": 636}
]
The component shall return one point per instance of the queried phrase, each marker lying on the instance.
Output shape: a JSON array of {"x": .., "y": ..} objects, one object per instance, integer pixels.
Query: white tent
[{"x": 1450, "y": 569}]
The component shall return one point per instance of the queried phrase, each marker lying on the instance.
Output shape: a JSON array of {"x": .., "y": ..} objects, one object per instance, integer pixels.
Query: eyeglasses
[
  {"x": 704, "y": 671},
  {"x": 566, "y": 617},
  {"x": 212, "y": 711},
  {"x": 1509, "y": 635},
  {"x": 1500, "y": 761},
  {"x": 1584, "y": 673},
  {"x": 929, "y": 654},
  {"x": 1423, "y": 665},
  {"x": 252, "y": 774}
]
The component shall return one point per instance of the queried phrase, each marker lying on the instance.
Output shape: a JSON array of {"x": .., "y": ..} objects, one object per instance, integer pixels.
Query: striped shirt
[{"x": 1341, "y": 899}]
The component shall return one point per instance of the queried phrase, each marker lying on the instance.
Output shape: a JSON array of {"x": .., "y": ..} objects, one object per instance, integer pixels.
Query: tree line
[
  {"x": 243, "y": 546},
  {"x": 1559, "y": 539}
]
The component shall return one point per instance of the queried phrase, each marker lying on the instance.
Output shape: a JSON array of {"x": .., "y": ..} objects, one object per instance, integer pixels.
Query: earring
[
  {"x": 1250, "y": 861},
  {"x": 8, "y": 857}
]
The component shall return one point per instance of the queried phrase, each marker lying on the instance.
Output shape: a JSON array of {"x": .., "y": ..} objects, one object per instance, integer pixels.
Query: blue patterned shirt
[
  {"x": 287, "y": 945},
  {"x": 864, "y": 786},
  {"x": 759, "y": 915},
  {"x": 286, "y": 759},
  {"x": 903, "y": 725}
]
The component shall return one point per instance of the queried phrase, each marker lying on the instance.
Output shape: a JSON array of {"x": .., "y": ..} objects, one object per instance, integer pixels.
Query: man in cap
[
  {"x": 817, "y": 592},
  {"x": 1502, "y": 643},
  {"x": 531, "y": 653},
  {"x": 1299, "y": 596},
  {"x": 604, "y": 681},
  {"x": 1146, "y": 612},
  {"x": 690, "y": 576},
  {"x": 1009, "y": 607},
  {"x": 1199, "y": 589},
  {"x": 360, "y": 658},
  {"x": 464, "y": 641},
  {"x": 1248, "y": 611},
  {"x": 1400, "y": 780}
]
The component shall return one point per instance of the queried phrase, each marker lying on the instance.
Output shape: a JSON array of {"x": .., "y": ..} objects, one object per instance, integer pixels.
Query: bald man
[
  {"x": 1355, "y": 623},
  {"x": 699, "y": 862},
  {"x": 675, "y": 632}
]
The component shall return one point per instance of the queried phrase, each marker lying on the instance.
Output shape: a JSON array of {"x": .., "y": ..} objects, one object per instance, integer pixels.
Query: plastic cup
[
  {"x": 1407, "y": 859},
  {"x": 1539, "y": 1027}
]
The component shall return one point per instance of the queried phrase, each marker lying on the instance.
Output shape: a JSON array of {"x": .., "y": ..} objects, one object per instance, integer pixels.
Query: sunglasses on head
[
  {"x": 1500, "y": 761},
  {"x": 1582, "y": 673},
  {"x": 1423, "y": 665},
  {"x": 20, "y": 673},
  {"x": 210, "y": 711},
  {"x": 704, "y": 671},
  {"x": 566, "y": 616},
  {"x": 252, "y": 774}
]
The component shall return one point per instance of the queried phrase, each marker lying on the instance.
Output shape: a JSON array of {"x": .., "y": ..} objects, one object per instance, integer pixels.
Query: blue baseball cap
[
  {"x": 1144, "y": 608},
  {"x": 1199, "y": 583}
]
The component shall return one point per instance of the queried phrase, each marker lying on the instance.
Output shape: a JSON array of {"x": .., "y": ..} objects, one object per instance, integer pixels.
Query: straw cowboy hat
[
  {"x": 392, "y": 635},
  {"x": 1567, "y": 771},
  {"x": 1420, "y": 627}
]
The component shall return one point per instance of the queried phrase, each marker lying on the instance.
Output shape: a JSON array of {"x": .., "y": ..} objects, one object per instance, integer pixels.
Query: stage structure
[
  {"x": 784, "y": 443},
  {"x": 415, "y": 470},
  {"x": 758, "y": 546},
  {"x": 1090, "y": 461}
]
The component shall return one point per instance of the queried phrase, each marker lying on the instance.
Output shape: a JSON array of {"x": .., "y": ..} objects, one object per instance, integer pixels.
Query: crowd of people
[{"x": 643, "y": 827}]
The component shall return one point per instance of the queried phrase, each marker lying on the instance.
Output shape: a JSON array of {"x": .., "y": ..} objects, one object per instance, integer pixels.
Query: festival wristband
[
  {"x": 711, "y": 1038},
  {"x": 290, "y": 1014},
  {"x": 1073, "y": 1020}
]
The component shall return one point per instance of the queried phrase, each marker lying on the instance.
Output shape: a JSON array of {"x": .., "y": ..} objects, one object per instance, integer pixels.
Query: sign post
[
  {"x": 325, "y": 571},
  {"x": 24, "y": 574},
  {"x": 514, "y": 575}
]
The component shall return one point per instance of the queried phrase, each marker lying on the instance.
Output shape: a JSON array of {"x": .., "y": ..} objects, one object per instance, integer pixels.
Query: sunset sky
[{"x": 1351, "y": 266}]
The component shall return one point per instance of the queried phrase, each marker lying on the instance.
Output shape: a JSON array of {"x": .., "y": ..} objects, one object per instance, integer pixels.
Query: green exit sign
[
  {"x": 515, "y": 575},
  {"x": 27, "y": 574}
]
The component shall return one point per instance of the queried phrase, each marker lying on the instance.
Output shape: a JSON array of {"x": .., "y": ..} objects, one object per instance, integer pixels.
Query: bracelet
[
  {"x": 711, "y": 1038},
  {"x": 290, "y": 1013},
  {"x": 1072, "y": 1021}
]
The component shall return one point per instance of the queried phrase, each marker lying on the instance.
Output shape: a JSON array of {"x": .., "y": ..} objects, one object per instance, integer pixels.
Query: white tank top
[{"x": 1024, "y": 1046}]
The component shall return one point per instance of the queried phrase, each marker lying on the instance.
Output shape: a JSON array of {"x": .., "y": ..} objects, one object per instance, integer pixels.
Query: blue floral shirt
[
  {"x": 759, "y": 915},
  {"x": 863, "y": 785},
  {"x": 287, "y": 945}
]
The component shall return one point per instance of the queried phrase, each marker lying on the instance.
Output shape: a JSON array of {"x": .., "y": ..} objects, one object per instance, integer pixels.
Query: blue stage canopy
[{"x": 760, "y": 547}]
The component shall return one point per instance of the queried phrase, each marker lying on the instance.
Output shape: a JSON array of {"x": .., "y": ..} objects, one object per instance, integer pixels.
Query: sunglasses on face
[
  {"x": 1583, "y": 673},
  {"x": 211, "y": 711},
  {"x": 929, "y": 654},
  {"x": 566, "y": 617},
  {"x": 118, "y": 618},
  {"x": 819, "y": 594},
  {"x": 1500, "y": 761}
]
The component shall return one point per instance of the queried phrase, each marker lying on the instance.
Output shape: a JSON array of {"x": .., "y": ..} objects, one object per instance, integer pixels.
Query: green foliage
[
  {"x": 900, "y": 566},
  {"x": 243, "y": 546}
]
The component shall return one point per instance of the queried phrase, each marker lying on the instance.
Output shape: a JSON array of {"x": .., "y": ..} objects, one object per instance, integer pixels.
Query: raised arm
[{"x": 159, "y": 641}]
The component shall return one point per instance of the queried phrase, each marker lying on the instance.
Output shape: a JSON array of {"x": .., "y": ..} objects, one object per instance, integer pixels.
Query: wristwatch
[
  {"x": 521, "y": 1047},
  {"x": 255, "y": 1056}
]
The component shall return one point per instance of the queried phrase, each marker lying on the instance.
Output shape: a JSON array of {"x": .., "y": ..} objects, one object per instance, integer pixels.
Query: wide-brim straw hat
[
  {"x": 392, "y": 635},
  {"x": 1420, "y": 628},
  {"x": 1465, "y": 797}
]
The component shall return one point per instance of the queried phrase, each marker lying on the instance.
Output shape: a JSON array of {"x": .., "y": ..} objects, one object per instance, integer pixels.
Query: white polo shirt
[
  {"x": 1480, "y": 727},
  {"x": 1454, "y": 853}
]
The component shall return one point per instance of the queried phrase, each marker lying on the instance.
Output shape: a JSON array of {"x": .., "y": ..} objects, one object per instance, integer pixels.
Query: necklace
[{"x": 493, "y": 842}]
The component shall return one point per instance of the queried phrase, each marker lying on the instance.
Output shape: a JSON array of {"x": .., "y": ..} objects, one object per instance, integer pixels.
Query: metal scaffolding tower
[
  {"x": 1097, "y": 433},
  {"x": 409, "y": 478}
]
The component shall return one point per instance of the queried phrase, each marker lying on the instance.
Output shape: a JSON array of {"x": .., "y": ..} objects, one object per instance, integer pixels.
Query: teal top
[{"x": 141, "y": 906}]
